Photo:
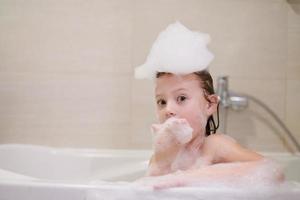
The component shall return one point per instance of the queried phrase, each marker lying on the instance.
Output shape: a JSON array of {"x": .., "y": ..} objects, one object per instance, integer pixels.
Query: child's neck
[{"x": 196, "y": 144}]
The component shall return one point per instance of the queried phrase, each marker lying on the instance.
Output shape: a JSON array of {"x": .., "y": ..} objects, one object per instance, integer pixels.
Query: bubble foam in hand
[
  {"x": 177, "y": 50},
  {"x": 173, "y": 127},
  {"x": 181, "y": 129}
]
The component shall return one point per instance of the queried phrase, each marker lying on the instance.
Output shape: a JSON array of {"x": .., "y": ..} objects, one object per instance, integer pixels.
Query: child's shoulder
[
  {"x": 223, "y": 148},
  {"x": 217, "y": 143},
  {"x": 219, "y": 139}
]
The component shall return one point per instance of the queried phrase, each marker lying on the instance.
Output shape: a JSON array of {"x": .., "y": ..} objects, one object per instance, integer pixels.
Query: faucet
[{"x": 230, "y": 99}]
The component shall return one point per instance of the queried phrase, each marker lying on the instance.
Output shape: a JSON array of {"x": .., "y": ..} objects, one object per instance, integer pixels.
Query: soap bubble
[{"x": 177, "y": 50}]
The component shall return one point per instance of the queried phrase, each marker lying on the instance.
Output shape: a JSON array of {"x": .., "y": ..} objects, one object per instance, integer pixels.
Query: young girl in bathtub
[{"x": 187, "y": 149}]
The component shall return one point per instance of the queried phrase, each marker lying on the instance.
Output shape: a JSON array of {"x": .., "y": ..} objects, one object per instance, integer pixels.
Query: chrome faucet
[{"x": 230, "y": 99}]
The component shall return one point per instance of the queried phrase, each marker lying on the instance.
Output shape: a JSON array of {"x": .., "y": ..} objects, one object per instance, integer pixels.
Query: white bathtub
[{"x": 35, "y": 172}]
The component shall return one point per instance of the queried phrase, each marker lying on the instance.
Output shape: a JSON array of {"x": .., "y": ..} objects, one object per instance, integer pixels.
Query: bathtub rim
[{"x": 106, "y": 151}]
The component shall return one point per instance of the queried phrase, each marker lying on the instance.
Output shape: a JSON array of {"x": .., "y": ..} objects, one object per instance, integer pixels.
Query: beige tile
[
  {"x": 293, "y": 109},
  {"x": 143, "y": 93},
  {"x": 257, "y": 131},
  {"x": 143, "y": 112},
  {"x": 106, "y": 135},
  {"x": 251, "y": 41},
  {"x": 70, "y": 135},
  {"x": 141, "y": 135},
  {"x": 293, "y": 71},
  {"x": 68, "y": 103},
  {"x": 68, "y": 93},
  {"x": 66, "y": 37},
  {"x": 66, "y": 74},
  {"x": 293, "y": 14}
]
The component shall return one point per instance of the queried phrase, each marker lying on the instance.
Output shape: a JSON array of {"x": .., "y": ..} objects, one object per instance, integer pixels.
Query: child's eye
[
  {"x": 161, "y": 102},
  {"x": 181, "y": 98}
]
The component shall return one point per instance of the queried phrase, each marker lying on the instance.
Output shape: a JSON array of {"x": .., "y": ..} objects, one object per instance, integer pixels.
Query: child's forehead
[{"x": 170, "y": 82}]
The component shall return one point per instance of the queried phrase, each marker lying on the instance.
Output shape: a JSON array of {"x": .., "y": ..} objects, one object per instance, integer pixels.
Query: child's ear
[{"x": 212, "y": 104}]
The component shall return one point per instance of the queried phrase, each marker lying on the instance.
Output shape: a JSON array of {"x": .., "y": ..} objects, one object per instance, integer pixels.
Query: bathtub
[{"x": 29, "y": 172}]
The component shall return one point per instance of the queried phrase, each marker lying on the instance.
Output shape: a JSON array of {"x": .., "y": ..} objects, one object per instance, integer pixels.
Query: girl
[
  {"x": 190, "y": 101},
  {"x": 187, "y": 149}
]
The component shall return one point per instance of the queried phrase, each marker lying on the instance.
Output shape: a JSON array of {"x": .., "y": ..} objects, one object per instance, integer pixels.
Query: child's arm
[
  {"x": 252, "y": 172},
  {"x": 231, "y": 163},
  {"x": 168, "y": 139},
  {"x": 160, "y": 164}
]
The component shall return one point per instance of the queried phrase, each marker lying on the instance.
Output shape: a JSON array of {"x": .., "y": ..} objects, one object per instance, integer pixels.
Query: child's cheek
[
  {"x": 192, "y": 123},
  {"x": 198, "y": 123}
]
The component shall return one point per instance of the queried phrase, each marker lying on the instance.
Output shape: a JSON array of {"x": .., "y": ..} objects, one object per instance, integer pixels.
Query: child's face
[{"x": 181, "y": 96}]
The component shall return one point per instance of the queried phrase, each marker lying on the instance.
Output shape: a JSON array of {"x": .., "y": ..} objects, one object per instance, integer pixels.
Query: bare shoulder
[
  {"x": 226, "y": 149},
  {"x": 215, "y": 141},
  {"x": 219, "y": 138}
]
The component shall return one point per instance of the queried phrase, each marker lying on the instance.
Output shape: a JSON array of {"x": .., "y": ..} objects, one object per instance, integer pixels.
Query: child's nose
[{"x": 170, "y": 110}]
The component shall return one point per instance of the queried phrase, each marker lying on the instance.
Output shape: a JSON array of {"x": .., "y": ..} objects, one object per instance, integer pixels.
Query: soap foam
[
  {"x": 177, "y": 50},
  {"x": 264, "y": 175},
  {"x": 173, "y": 128},
  {"x": 134, "y": 191},
  {"x": 253, "y": 186},
  {"x": 181, "y": 129}
]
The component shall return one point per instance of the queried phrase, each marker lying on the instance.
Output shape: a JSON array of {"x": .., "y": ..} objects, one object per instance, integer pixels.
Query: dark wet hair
[{"x": 206, "y": 83}]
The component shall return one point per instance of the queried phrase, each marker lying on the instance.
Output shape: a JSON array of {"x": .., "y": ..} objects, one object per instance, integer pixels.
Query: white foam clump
[
  {"x": 177, "y": 50},
  {"x": 182, "y": 131},
  {"x": 172, "y": 127}
]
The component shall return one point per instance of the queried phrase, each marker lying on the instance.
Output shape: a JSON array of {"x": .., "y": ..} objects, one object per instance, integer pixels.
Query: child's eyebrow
[
  {"x": 174, "y": 91},
  {"x": 180, "y": 89}
]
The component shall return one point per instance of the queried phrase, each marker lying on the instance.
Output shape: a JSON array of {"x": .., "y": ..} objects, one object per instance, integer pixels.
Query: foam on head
[{"x": 177, "y": 50}]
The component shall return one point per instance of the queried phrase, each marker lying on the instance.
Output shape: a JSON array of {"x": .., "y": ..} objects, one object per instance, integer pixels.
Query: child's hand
[
  {"x": 180, "y": 129},
  {"x": 172, "y": 182},
  {"x": 166, "y": 181},
  {"x": 169, "y": 141},
  {"x": 173, "y": 131}
]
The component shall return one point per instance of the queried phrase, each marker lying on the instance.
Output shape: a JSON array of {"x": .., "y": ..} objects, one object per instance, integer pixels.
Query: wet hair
[{"x": 206, "y": 83}]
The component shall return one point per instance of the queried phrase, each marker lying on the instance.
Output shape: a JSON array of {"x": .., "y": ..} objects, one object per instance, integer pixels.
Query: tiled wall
[{"x": 66, "y": 67}]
